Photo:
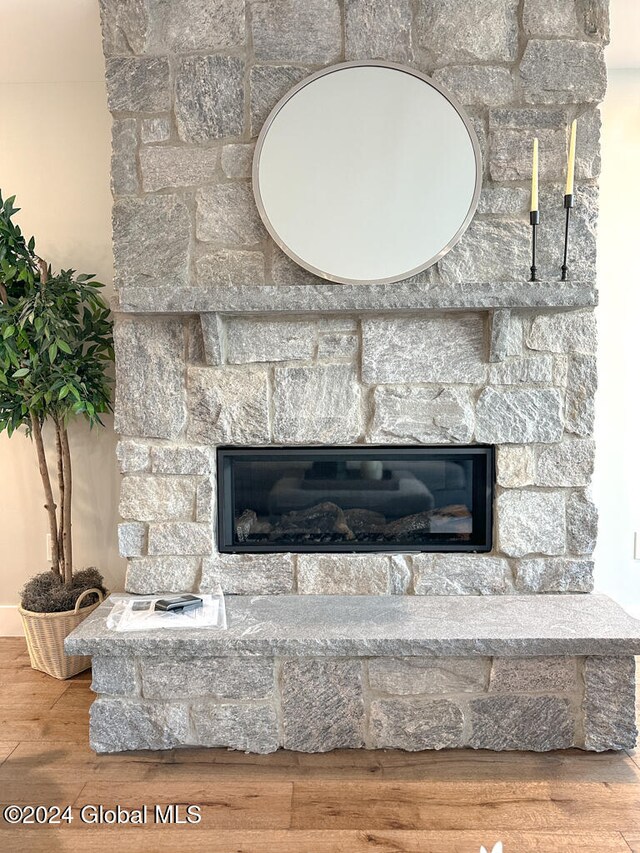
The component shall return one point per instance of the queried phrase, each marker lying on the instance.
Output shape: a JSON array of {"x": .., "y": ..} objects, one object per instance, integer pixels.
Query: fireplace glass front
[{"x": 355, "y": 499}]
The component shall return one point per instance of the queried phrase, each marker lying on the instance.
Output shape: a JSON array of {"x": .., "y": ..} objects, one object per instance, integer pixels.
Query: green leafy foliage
[{"x": 55, "y": 337}]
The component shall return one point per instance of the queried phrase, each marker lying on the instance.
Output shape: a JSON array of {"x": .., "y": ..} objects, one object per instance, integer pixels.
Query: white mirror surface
[{"x": 366, "y": 173}]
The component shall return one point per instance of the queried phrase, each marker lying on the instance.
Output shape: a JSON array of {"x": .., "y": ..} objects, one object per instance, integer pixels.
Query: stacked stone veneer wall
[
  {"x": 317, "y": 704},
  {"x": 189, "y": 85}
]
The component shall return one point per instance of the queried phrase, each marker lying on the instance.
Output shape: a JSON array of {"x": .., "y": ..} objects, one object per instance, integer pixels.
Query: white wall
[{"x": 54, "y": 155}]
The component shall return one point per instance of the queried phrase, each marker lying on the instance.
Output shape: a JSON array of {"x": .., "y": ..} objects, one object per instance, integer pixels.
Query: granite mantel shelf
[
  {"x": 325, "y": 298},
  {"x": 363, "y": 626}
]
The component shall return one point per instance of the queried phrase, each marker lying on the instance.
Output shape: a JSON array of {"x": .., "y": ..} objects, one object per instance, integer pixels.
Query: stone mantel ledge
[
  {"x": 323, "y": 298},
  {"x": 363, "y": 626}
]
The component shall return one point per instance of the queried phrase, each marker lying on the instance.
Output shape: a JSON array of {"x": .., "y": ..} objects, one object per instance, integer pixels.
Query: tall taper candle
[
  {"x": 534, "y": 176},
  {"x": 571, "y": 162},
  {"x": 568, "y": 196},
  {"x": 534, "y": 215}
]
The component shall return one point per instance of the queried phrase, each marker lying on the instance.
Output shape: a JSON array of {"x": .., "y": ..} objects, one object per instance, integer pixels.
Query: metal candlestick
[
  {"x": 568, "y": 204},
  {"x": 534, "y": 219}
]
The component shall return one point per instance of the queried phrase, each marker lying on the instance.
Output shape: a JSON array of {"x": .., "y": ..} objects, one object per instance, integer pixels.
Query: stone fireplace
[{"x": 222, "y": 341}]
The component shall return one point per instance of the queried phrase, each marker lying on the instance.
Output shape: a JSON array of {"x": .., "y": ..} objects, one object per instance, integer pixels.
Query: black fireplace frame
[{"x": 483, "y": 497}]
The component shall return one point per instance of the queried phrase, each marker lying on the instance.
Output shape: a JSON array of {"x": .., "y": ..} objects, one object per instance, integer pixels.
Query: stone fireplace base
[{"x": 315, "y": 673}]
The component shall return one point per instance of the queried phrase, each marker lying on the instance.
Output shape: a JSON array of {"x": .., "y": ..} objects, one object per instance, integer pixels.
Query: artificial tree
[{"x": 55, "y": 347}]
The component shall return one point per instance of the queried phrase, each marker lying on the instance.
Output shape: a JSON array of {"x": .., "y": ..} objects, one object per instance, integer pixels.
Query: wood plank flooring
[{"x": 348, "y": 801}]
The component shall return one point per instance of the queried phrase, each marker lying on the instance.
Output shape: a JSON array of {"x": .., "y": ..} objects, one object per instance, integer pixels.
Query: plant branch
[
  {"x": 61, "y": 491},
  {"x": 67, "y": 544},
  {"x": 4, "y": 296},
  {"x": 50, "y": 505}
]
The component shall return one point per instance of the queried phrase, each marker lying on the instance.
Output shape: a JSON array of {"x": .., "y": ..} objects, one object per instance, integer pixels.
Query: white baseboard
[{"x": 10, "y": 621}]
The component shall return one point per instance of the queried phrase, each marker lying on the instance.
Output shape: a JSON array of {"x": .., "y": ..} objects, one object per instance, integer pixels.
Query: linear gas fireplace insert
[{"x": 318, "y": 499}]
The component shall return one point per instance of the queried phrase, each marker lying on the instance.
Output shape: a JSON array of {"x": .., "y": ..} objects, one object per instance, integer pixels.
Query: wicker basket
[{"x": 45, "y": 634}]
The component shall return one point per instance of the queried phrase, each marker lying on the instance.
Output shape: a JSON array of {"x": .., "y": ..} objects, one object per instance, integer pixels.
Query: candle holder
[
  {"x": 534, "y": 219},
  {"x": 568, "y": 204}
]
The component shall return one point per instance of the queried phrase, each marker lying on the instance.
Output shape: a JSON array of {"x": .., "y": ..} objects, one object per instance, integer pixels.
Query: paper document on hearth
[{"x": 138, "y": 614}]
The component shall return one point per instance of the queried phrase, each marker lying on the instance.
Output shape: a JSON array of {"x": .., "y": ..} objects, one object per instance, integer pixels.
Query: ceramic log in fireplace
[{"x": 355, "y": 499}]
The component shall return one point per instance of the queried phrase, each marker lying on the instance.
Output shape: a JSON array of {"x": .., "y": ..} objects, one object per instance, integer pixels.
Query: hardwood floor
[{"x": 348, "y": 801}]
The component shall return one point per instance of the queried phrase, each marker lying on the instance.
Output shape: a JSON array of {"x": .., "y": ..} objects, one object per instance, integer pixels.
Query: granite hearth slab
[
  {"x": 325, "y": 297},
  {"x": 363, "y": 626}
]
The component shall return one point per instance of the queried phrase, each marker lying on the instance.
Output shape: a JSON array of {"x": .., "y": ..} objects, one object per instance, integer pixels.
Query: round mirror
[{"x": 367, "y": 172}]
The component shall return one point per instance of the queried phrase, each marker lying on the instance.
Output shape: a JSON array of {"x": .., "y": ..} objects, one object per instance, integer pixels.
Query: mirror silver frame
[{"x": 331, "y": 70}]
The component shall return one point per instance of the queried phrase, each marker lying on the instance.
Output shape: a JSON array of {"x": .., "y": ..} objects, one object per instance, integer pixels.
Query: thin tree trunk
[
  {"x": 50, "y": 505},
  {"x": 66, "y": 507},
  {"x": 61, "y": 491}
]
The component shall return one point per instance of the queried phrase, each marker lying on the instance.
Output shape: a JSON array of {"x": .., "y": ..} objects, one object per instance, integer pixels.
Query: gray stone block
[
  {"x": 609, "y": 703},
  {"x": 151, "y": 241},
  {"x": 182, "y": 538},
  {"x": 558, "y": 71},
  {"x": 226, "y": 213},
  {"x": 212, "y": 332},
  {"x": 228, "y": 405},
  {"x": 237, "y": 160},
  {"x": 316, "y": 404},
  {"x": 582, "y": 382},
  {"x": 114, "y": 675},
  {"x": 512, "y": 133},
  {"x": 220, "y": 678},
  {"x": 248, "y": 574},
  {"x": 534, "y": 675},
  {"x": 540, "y": 18},
  {"x": 460, "y": 574},
  {"x": 400, "y": 575},
  {"x": 536, "y": 723},
  {"x": 322, "y": 704},
  {"x": 343, "y": 574},
  {"x": 205, "y": 502},
  {"x": 164, "y": 167},
  {"x": 153, "y": 498},
  {"x": 588, "y": 161},
  {"x": 482, "y": 85},
  {"x": 595, "y": 19},
  {"x": 202, "y": 25},
  {"x": 569, "y": 463},
  {"x": 500, "y": 322},
  {"x": 151, "y": 401},
  {"x": 268, "y": 83},
  {"x": 488, "y": 251},
  {"x": 456, "y": 31},
  {"x": 422, "y": 415},
  {"x": 138, "y": 84},
  {"x": 118, "y": 724},
  {"x": 124, "y": 146},
  {"x": 124, "y": 27},
  {"x": 297, "y": 32},
  {"x": 251, "y": 728},
  {"x": 334, "y": 345},
  {"x": 230, "y": 266},
  {"x": 531, "y": 523},
  {"x": 559, "y": 575},
  {"x": 424, "y": 349},
  {"x": 254, "y": 339},
  {"x": 515, "y": 466},
  {"x": 378, "y": 29},
  {"x": 209, "y": 100},
  {"x": 411, "y": 676},
  {"x": 151, "y": 575},
  {"x": 536, "y": 370},
  {"x": 582, "y": 523},
  {"x": 504, "y": 201},
  {"x": 181, "y": 460},
  {"x": 132, "y": 539},
  {"x": 518, "y": 625},
  {"x": 415, "y": 724},
  {"x": 133, "y": 456},
  {"x": 156, "y": 129},
  {"x": 519, "y": 416}
]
